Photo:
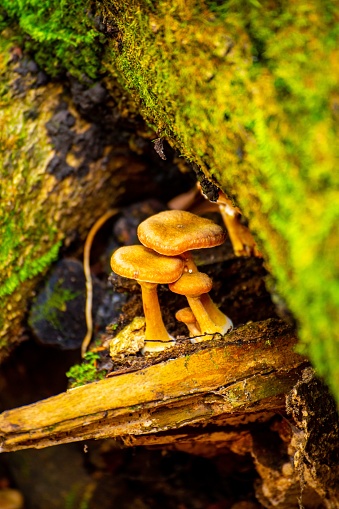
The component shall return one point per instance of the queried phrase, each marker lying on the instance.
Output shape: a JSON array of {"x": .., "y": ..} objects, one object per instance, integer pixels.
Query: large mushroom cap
[
  {"x": 192, "y": 285},
  {"x": 173, "y": 232},
  {"x": 138, "y": 262}
]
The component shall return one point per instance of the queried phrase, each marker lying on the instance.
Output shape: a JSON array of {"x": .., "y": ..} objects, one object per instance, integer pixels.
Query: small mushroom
[
  {"x": 177, "y": 232},
  {"x": 186, "y": 316},
  {"x": 193, "y": 286},
  {"x": 149, "y": 269},
  {"x": 240, "y": 236}
]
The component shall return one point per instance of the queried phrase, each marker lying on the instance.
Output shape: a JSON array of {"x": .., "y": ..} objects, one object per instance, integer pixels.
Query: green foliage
[
  {"x": 86, "y": 372},
  {"x": 112, "y": 327},
  {"x": 60, "y": 34}
]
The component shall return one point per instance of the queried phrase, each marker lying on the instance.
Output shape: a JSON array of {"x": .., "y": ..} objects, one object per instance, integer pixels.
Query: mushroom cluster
[{"x": 164, "y": 257}]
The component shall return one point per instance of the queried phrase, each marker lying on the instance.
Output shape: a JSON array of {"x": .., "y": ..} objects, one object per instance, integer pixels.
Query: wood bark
[{"x": 246, "y": 376}]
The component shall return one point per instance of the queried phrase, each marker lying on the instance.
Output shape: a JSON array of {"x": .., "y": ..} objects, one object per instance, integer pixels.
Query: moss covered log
[
  {"x": 54, "y": 184},
  {"x": 248, "y": 91}
]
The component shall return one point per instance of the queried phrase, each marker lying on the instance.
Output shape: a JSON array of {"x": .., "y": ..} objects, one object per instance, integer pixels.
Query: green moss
[
  {"x": 30, "y": 268},
  {"x": 55, "y": 302},
  {"x": 60, "y": 34},
  {"x": 28, "y": 244},
  {"x": 86, "y": 372}
]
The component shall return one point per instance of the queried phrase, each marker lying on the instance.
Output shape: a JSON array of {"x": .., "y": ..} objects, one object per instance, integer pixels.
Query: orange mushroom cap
[
  {"x": 142, "y": 264},
  {"x": 185, "y": 315},
  {"x": 192, "y": 284},
  {"x": 174, "y": 232}
]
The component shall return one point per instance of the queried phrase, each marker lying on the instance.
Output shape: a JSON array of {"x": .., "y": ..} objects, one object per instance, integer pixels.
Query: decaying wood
[{"x": 226, "y": 379}]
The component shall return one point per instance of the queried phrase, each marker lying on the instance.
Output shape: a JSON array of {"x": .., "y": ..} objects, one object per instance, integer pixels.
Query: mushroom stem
[
  {"x": 187, "y": 317},
  {"x": 217, "y": 316},
  {"x": 190, "y": 265},
  {"x": 205, "y": 323},
  {"x": 155, "y": 327},
  {"x": 241, "y": 238},
  {"x": 193, "y": 329}
]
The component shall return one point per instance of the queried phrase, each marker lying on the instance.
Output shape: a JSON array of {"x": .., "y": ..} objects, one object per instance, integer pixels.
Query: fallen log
[{"x": 248, "y": 374}]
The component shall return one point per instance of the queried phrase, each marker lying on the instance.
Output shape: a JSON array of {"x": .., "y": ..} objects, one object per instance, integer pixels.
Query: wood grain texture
[{"x": 250, "y": 375}]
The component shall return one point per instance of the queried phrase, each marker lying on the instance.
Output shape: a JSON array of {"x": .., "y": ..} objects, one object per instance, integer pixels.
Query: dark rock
[
  {"x": 22, "y": 68},
  {"x": 62, "y": 119},
  {"x": 88, "y": 99},
  {"x": 57, "y": 316}
]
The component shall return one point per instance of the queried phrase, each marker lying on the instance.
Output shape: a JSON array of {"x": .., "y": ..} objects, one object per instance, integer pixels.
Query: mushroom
[
  {"x": 149, "y": 269},
  {"x": 176, "y": 232},
  {"x": 242, "y": 239},
  {"x": 186, "y": 316},
  {"x": 193, "y": 286},
  {"x": 218, "y": 317},
  {"x": 240, "y": 236}
]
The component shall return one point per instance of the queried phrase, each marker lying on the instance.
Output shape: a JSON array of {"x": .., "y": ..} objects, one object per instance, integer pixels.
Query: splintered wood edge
[{"x": 234, "y": 377}]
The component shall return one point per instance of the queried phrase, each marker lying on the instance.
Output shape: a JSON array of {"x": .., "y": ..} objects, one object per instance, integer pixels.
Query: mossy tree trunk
[
  {"x": 246, "y": 90},
  {"x": 60, "y": 171}
]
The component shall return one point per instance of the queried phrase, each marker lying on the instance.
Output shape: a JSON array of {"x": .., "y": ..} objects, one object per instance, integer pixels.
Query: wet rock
[
  {"x": 29, "y": 72},
  {"x": 57, "y": 316},
  {"x": 42, "y": 79},
  {"x": 84, "y": 146},
  {"x": 59, "y": 168},
  {"x": 32, "y": 67},
  {"x": 87, "y": 98}
]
